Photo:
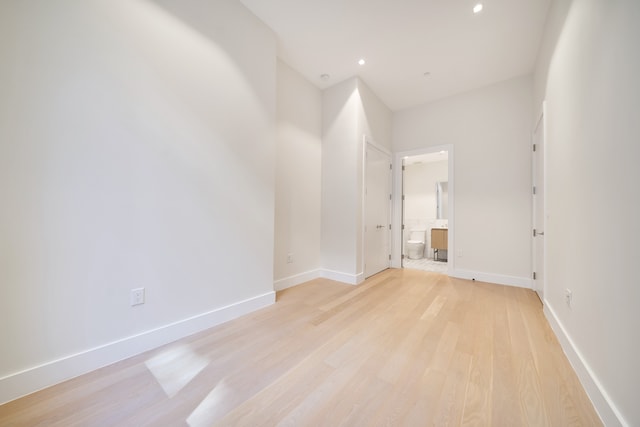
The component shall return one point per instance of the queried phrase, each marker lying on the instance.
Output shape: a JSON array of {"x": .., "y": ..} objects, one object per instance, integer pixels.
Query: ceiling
[{"x": 401, "y": 40}]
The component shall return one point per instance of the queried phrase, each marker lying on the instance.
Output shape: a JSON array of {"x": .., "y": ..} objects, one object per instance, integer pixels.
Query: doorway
[
  {"x": 425, "y": 209},
  {"x": 377, "y": 210},
  {"x": 539, "y": 213}
]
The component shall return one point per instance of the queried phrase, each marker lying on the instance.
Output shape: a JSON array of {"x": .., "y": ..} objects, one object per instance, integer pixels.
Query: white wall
[
  {"x": 350, "y": 111},
  {"x": 298, "y": 179},
  {"x": 339, "y": 179},
  {"x": 490, "y": 130},
  {"x": 136, "y": 150},
  {"x": 588, "y": 74},
  {"x": 556, "y": 16},
  {"x": 374, "y": 117}
]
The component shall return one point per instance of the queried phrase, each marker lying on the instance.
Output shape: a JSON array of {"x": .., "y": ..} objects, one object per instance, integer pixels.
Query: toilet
[{"x": 415, "y": 245}]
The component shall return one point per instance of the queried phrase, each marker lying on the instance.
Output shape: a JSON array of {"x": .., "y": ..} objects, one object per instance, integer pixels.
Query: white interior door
[
  {"x": 377, "y": 210},
  {"x": 538, "y": 208}
]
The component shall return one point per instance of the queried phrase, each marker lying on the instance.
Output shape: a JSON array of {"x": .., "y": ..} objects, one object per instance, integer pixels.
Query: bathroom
[{"x": 425, "y": 189}]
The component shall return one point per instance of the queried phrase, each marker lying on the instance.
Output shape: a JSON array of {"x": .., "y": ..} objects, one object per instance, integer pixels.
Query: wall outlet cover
[{"x": 137, "y": 296}]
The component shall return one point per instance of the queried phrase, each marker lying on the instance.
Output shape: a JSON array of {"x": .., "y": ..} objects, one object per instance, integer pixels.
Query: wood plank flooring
[{"x": 405, "y": 348}]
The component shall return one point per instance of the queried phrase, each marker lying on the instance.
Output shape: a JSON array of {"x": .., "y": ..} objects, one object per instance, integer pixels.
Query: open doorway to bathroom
[{"x": 426, "y": 211}]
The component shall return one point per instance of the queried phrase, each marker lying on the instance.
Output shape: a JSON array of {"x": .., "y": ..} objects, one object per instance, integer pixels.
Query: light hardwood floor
[{"x": 405, "y": 348}]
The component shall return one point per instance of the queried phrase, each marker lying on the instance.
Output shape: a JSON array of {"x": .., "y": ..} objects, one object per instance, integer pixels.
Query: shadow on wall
[{"x": 216, "y": 21}]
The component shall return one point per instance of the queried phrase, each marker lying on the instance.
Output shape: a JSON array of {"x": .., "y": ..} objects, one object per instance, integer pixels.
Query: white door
[
  {"x": 538, "y": 208},
  {"x": 377, "y": 207}
]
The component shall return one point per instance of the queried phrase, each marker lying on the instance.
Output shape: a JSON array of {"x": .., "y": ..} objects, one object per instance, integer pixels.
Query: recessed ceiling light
[
  {"x": 477, "y": 8},
  {"x": 361, "y": 62}
]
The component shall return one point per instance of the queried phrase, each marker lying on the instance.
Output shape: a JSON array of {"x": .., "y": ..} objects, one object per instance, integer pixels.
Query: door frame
[
  {"x": 539, "y": 287},
  {"x": 397, "y": 215},
  {"x": 367, "y": 141}
]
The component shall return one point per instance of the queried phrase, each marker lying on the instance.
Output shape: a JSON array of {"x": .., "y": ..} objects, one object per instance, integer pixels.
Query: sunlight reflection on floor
[
  {"x": 175, "y": 368},
  {"x": 205, "y": 413}
]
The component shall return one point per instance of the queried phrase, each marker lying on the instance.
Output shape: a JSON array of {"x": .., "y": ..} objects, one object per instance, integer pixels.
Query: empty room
[{"x": 319, "y": 213}]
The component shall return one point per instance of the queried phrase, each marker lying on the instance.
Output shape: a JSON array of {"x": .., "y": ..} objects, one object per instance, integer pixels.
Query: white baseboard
[
  {"x": 520, "y": 282},
  {"x": 296, "y": 279},
  {"x": 602, "y": 403},
  {"x": 38, "y": 377},
  {"x": 352, "y": 279}
]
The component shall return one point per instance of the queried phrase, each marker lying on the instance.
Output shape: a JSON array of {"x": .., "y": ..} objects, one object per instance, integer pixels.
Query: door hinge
[
  {"x": 389, "y": 257},
  {"x": 534, "y": 232},
  {"x": 403, "y": 197},
  {"x": 389, "y": 226},
  {"x": 402, "y": 167},
  {"x": 534, "y": 275},
  {"x": 534, "y": 147},
  {"x": 389, "y": 196},
  {"x": 403, "y": 226},
  {"x": 390, "y": 166},
  {"x": 402, "y": 256},
  {"x": 534, "y": 189}
]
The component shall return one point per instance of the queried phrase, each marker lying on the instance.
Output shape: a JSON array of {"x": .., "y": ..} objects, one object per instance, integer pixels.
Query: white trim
[
  {"x": 500, "y": 279},
  {"x": 351, "y": 279},
  {"x": 603, "y": 404},
  {"x": 36, "y": 378},
  {"x": 296, "y": 279},
  {"x": 368, "y": 140}
]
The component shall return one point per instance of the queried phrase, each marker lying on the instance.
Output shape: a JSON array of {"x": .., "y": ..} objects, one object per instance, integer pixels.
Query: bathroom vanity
[{"x": 439, "y": 242}]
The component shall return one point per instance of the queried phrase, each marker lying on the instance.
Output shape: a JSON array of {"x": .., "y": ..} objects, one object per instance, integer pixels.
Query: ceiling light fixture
[
  {"x": 427, "y": 73},
  {"x": 361, "y": 62},
  {"x": 477, "y": 8},
  {"x": 324, "y": 77}
]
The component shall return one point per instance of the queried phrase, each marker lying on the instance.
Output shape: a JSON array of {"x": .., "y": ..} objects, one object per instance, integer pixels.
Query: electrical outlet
[
  {"x": 289, "y": 258},
  {"x": 137, "y": 296},
  {"x": 568, "y": 296}
]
